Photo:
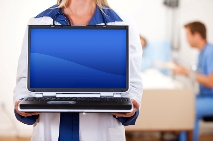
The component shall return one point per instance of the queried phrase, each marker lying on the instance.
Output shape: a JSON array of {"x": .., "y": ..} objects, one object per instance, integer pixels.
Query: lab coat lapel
[
  {"x": 49, "y": 124},
  {"x": 54, "y": 127}
]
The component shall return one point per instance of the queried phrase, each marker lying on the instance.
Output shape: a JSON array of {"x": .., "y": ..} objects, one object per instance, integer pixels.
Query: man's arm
[{"x": 205, "y": 80}]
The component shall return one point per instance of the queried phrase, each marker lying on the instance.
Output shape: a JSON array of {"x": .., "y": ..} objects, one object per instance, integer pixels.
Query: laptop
[{"x": 77, "y": 69}]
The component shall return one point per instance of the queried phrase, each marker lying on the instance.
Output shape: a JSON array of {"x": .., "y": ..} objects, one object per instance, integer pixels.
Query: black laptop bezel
[{"x": 116, "y": 27}]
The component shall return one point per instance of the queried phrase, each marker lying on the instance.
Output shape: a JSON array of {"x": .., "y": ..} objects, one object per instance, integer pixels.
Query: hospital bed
[{"x": 166, "y": 110}]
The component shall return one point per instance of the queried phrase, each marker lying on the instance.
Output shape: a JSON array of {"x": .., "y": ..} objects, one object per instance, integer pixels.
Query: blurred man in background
[{"x": 196, "y": 36}]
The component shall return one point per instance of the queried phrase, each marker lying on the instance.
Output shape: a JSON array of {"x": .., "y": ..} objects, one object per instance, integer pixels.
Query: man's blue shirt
[{"x": 205, "y": 66}]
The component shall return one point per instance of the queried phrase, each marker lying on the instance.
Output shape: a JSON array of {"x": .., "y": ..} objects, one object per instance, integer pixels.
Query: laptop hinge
[
  {"x": 78, "y": 95},
  {"x": 110, "y": 95},
  {"x": 46, "y": 94},
  {"x": 117, "y": 94}
]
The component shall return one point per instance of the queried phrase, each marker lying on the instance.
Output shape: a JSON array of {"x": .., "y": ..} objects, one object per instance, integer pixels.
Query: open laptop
[{"x": 77, "y": 69}]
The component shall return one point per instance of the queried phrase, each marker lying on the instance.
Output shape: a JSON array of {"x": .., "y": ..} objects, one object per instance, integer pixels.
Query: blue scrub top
[{"x": 205, "y": 66}]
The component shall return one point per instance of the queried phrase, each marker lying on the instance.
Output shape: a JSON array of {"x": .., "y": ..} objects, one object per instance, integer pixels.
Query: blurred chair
[
  {"x": 208, "y": 119},
  {"x": 166, "y": 110}
]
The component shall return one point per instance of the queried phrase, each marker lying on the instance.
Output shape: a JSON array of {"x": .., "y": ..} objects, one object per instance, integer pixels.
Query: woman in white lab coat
[{"x": 90, "y": 126}]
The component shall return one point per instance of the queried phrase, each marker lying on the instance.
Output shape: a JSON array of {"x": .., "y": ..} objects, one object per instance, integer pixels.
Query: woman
[{"x": 79, "y": 126}]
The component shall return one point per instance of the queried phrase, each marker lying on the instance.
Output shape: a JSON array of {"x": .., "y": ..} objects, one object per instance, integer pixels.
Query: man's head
[
  {"x": 143, "y": 42},
  {"x": 196, "y": 33}
]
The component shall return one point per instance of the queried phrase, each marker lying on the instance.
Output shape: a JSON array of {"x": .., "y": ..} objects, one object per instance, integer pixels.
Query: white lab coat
[{"x": 93, "y": 126}]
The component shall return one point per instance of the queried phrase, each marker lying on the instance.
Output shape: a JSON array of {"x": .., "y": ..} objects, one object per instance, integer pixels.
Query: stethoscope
[{"x": 67, "y": 20}]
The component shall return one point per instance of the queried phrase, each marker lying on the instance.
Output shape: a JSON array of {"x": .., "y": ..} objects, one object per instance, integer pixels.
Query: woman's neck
[{"x": 80, "y": 11}]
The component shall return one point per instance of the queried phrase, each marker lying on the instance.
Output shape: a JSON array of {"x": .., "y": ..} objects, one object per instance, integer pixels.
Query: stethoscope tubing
[{"x": 68, "y": 20}]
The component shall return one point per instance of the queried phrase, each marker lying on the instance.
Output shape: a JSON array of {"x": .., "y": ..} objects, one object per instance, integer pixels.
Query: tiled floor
[
  {"x": 139, "y": 138},
  {"x": 207, "y": 137},
  {"x": 14, "y": 139}
]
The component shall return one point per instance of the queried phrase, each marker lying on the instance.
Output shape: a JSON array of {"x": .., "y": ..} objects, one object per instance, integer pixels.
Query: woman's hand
[
  {"x": 136, "y": 107},
  {"x": 23, "y": 113}
]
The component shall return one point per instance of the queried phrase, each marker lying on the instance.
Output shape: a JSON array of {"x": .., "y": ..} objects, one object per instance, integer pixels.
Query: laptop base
[{"x": 76, "y": 104}]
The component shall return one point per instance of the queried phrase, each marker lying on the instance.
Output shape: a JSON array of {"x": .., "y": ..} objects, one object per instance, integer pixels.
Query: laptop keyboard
[{"x": 119, "y": 99}]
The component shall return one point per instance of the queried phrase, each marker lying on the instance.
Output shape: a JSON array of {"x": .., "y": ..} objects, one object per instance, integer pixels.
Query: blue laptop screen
[{"x": 77, "y": 58}]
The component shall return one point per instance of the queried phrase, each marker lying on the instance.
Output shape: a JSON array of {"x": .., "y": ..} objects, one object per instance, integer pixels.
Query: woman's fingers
[
  {"x": 136, "y": 107},
  {"x": 23, "y": 113},
  {"x": 131, "y": 114},
  {"x": 135, "y": 104},
  {"x": 17, "y": 102},
  {"x": 125, "y": 114},
  {"x": 30, "y": 114},
  {"x": 118, "y": 114}
]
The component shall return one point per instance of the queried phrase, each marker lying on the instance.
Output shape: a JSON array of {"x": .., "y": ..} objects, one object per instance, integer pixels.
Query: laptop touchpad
[{"x": 61, "y": 102}]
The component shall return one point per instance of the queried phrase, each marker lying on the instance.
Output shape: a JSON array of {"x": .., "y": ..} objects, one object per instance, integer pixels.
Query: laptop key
[{"x": 104, "y": 99}]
